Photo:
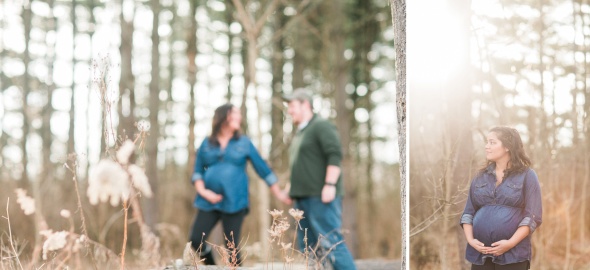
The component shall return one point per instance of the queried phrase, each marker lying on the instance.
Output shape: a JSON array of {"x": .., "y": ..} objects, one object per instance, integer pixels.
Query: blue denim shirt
[
  {"x": 497, "y": 212},
  {"x": 224, "y": 172}
]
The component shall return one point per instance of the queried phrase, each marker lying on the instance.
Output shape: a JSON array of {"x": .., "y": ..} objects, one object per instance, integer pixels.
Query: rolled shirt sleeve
[
  {"x": 469, "y": 211},
  {"x": 199, "y": 168},
  {"x": 533, "y": 205},
  {"x": 330, "y": 143}
]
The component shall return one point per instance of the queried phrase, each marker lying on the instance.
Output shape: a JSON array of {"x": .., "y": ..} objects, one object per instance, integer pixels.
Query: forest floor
[{"x": 366, "y": 264}]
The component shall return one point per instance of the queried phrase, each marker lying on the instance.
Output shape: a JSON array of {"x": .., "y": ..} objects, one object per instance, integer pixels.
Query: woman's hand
[
  {"x": 500, "y": 247},
  {"x": 211, "y": 196},
  {"x": 281, "y": 195},
  {"x": 284, "y": 198},
  {"x": 479, "y": 246},
  {"x": 207, "y": 194}
]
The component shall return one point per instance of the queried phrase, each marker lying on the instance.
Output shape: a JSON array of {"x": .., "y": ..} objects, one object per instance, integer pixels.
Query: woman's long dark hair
[
  {"x": 219, "y": 118},
  {"x": 510, "y": 138}
]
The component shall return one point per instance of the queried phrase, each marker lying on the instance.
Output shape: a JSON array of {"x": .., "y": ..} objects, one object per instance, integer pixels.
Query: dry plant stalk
[
  {"x": 124, "y": 245},
  {"x": 73, "y": 168},
  {"x": 277, "y": 232},
  {"x": 130, "y": 176},
  {"x": 101, "y": 79},
  {"x": 229, "y": 255},
  {"x": 192, "y": 257},
  {"x": 16, "y": 254}
]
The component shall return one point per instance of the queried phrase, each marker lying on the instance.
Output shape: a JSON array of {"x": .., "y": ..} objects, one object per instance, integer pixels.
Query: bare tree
[
  {"x": 191, "y": 55},
  {"x": 278, "y": 155},
  {"x": 253, "y": 28},
  {"x": 126, "y": 104},
  {"x": 229, "y": 19},
  {"x": 151, "y": 210},
  {"x": 71, "y": 141},
  {"x": 27, "y": 20}
]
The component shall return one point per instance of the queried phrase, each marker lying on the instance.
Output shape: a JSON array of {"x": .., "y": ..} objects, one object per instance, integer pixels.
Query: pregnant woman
[
  {"x": 221, "y": 182},
  {"x": 503, "y": 208}
]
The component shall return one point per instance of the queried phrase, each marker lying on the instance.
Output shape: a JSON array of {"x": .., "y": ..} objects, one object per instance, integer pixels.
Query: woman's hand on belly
[
  {"x": 479, "y": 246},
  {"x": 501, "y": 247},
  {"x": 206, "y": 193},
  {"x": 211, "y": 196}
]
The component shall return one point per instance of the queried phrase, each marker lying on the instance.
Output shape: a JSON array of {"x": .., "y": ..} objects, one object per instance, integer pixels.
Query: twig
[
  {"x": 10, "y": 234},
  {"x": 125, "y": 210},
  {"x": 306, "y": 252},
  {"x": 74, "y": 171}
]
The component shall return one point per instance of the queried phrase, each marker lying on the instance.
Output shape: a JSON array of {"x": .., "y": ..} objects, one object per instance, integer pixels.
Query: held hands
[
  {"x": 281, "y": 195},
  {"x": 328, "y": 193},
  {"x": 284, "y": 197}
]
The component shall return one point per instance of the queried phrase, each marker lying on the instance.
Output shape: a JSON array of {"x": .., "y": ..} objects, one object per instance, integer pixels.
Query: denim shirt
[
  {"x": 224, "y": 172},
  {"x": 497, "y": 212}
]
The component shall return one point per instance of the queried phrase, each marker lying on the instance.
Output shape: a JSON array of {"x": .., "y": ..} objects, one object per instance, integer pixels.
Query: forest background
[
  {"x": 72, "y": 68},
  {"x": 519, "y": 63}
]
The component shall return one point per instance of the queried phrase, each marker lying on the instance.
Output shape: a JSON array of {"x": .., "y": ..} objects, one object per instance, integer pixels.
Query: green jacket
[{"x": 313, "y": 148}]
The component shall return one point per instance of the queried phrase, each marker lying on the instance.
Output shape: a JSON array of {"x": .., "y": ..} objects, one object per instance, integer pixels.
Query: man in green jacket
[{"x": 316, "y": 187}]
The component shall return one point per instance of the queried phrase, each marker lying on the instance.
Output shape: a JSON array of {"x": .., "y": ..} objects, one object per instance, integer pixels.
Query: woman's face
[
  {"x": 234, "y": 119},
  {"x": 495, "y": 150}
]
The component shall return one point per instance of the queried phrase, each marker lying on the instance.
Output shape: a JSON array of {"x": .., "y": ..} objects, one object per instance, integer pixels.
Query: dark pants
[
  {"x": 204, "y": 223},
  {"x": 489, "y": 265}
]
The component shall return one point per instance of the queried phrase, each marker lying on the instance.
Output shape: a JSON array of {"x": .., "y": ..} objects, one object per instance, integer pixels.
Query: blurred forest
[
  {"x": 519, "y": 63},
  {"x": 71, "y": 68}
]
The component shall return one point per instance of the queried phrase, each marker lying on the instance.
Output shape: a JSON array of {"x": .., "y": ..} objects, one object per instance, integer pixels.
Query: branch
[
  {"x": 243, "y": 16},
  {"x": 298, "y": 14},
  {"x": 269, "y": 9},
  {"x": 426, "y": 222}
]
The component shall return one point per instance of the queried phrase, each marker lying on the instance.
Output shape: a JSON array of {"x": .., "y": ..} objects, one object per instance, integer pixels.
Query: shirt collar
[
  {"x": 303, "y": 125},
  {"x": 491, "y": 169}
]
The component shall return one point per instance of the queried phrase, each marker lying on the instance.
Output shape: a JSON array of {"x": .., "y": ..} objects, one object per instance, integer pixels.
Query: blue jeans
[{"x": 323, "y": 222}]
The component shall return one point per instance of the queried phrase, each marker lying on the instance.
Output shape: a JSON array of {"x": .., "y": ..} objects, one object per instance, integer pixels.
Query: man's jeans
[{"x": 324, "y": 222}]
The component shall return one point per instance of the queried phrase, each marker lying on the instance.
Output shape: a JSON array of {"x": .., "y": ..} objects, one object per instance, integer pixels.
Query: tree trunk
[
  {"x": 229, "y": 18},
  {"x": 71, "y": 139},
  {"x": 586, "y": 127},
  {"x": 191, "y": 54},
  {"x": 126, "y": 104},
  {"x": 27, "y": 16},
  {"x": 298, "y": 68},
  {"x": 543, "y": 124},
  {"x": 151, "y": 206},
  {"x": 170, "y": 121},
  {"x": 92, "y": 21},
  {"x": 340, "y": 77},
  {"x": 336, "y": 70},
  {"x": 47, "y": 111},
  {"x": 366, "y": 35},
  {"x": 253, "y": 28},
  {"x": 246, "y": 75},
  {"x": 278, "y": 154}
]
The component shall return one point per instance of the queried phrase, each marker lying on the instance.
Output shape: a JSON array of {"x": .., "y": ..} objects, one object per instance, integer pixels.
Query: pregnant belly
[{"x": 496, "y": 222}]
